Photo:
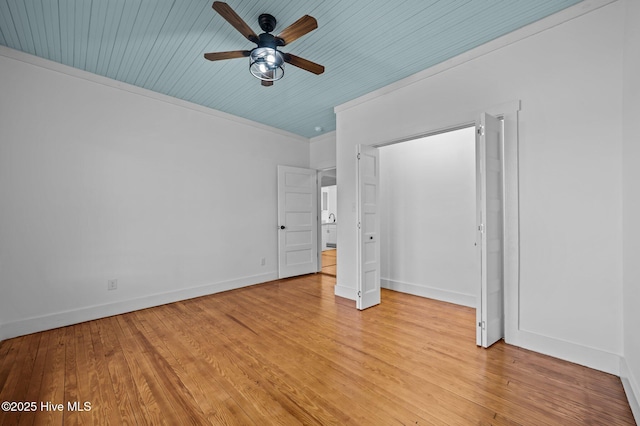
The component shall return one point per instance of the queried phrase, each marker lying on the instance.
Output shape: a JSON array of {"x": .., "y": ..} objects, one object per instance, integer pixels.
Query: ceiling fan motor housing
[
  {"x": 267, "y": 22},
  {"x": 268, "y": 40}
]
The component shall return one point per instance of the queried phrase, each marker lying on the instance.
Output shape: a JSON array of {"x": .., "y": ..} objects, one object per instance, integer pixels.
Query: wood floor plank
[
  {"x": 168, "y": 403},
  {"x": 181, "y": 375},
  {"x": 105, "y": 404},
  {"x": 211, "y": 366},
  {"x": 409, "y": 353},
  {"x": 51, "y": 392},
  {"x": 124, "y": 390},
  {"x": 143, "y": 388},
  {"x": 443, "y": 379},
  {"x": 329, "y": 263},
  {"x": 560, "y": 403},
  {"x": 294, "y": 385},
  {"x": 86, "y": 377},
  {"x": 372, "y": 371},
  {"x": 17, "y": 384},
  {"x": 166, "y": 370},
  {"x": 216, "y": 404},
  {"x": 70, "y": 417},
  {"x": 287, "y": 327},
  {"x": 291, "y": 352},
  {"x": 327, "y": 379},
  {"x": 8, "y": 349},
  {"x": 235, "y": 379},
  {"x": 12, "y": 366}
]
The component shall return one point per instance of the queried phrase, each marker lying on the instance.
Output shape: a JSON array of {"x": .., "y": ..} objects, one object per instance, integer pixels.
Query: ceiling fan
[{"x": 266, "y": 61}]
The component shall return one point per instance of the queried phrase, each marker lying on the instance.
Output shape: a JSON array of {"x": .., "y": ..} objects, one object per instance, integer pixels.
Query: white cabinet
[{"x": 329, "y": 236}]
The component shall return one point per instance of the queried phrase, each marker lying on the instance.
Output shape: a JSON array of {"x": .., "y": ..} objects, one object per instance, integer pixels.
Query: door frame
[
  {"x": 319, "y": 204},
  {"x": 509, "y": 113}
]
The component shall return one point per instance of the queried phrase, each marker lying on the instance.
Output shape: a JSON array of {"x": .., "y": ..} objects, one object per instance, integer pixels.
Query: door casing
[{"x": 509, "y": 112}]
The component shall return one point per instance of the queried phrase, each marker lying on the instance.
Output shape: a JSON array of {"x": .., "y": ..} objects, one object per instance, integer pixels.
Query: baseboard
[
  {"x": 631, "y": 388},
  {"x": 346, "y": 292},
  {"x": 62, "y": 319},
  {"x": 568, "y": 351},
  {"x": 430, "y": 292}
]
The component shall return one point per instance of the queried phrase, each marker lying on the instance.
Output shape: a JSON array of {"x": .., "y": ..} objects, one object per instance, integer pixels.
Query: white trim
[
  {"x": 544, "y": 24},
  {"x": 323, "y": 137},
  {"x": 631, "y": 388},
  {"x": 430, "y": 292},
  {"x": 569, "y": 351},
  {"x": 105, "y": 81},
  {"x": 432, "y": 132},
  {"x": 509, "y": 111},
  {"x": 62, "y": 319},
  {"x": 346, "y": 292},
  {"x": 511, "y": 186},
  {"x": 319, "y": 219}
]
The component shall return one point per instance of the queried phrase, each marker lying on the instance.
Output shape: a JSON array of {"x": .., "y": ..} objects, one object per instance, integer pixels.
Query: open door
[
  {"x": 490, "y": 218},
  {"x": 297, "y": 221},
  {"x": 368, "y": 261}
]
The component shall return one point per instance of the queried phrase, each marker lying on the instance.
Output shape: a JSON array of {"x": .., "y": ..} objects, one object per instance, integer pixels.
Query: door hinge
[
  {"x": 482, "y": 325},
  {"x": 481, "y": 228},
  {"x": 358, "y": 156},
  {"x": 480, "y": 130},
  {"x": 358, "y": 225},
  {"x": 359, "y": 293}
]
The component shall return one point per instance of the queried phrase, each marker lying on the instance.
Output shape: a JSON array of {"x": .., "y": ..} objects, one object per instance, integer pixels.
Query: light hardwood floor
[
  {"x": 329, "y": 262},
  {"x": 290, "y": 352}
]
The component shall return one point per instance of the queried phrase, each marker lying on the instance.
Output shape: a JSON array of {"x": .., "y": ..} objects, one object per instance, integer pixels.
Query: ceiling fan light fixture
[{"x": 266, "y": 63}]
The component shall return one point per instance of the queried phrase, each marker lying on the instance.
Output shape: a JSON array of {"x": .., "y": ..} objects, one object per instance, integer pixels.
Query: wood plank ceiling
[{"x": 159, "y": 45}]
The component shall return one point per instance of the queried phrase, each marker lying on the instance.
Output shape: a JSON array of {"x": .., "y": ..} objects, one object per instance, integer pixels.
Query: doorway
[
  {"x": 485, "y": 232},
  {"x": 428, "y": 217},
  {"x": 350, "y": 256},
  {"x": 328, "y": 222}
]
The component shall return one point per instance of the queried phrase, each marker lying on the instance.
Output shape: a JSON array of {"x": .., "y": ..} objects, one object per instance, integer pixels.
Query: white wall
[
  {"x": 100, "y": 180},
  {"x": 322, "y": 151},
  {"x": 568, "y": 79},
  {"x": 428, "y": 217},
  {"x": 631, "y": 194}
]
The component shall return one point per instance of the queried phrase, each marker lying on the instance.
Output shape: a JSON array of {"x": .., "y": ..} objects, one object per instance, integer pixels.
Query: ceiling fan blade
[
  {"x": 267, "y": 83},
  {"x": 302, "y": 26},
  {"x": 218, "y": 56},
  {"x": 305, "y": 64},
  {"x": 232, "y": 17}
]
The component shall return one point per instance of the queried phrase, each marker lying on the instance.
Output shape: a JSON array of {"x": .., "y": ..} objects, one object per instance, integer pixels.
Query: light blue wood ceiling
[{"x": 363, "y": 44}]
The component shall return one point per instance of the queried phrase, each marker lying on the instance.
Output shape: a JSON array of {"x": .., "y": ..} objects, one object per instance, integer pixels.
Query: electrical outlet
[
  {"x": 263, "y": 261},
  {"x": 112, "y": 285}
]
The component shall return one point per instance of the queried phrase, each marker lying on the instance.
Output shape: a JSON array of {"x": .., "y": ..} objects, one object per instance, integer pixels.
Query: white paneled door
[
  {"x": 368, "y": 260},
  {"x": 490, "y": 213},
  {"x": 297, "y": 221}
]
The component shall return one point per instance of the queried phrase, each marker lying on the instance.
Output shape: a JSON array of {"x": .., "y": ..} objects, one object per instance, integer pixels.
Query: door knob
[
  {"x": 282, "y": 226},
  {"x": 371, "y": 238}
]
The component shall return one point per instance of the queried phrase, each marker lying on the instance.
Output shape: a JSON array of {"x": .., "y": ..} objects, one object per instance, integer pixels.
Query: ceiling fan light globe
[{"x": 266, "y": 64}]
